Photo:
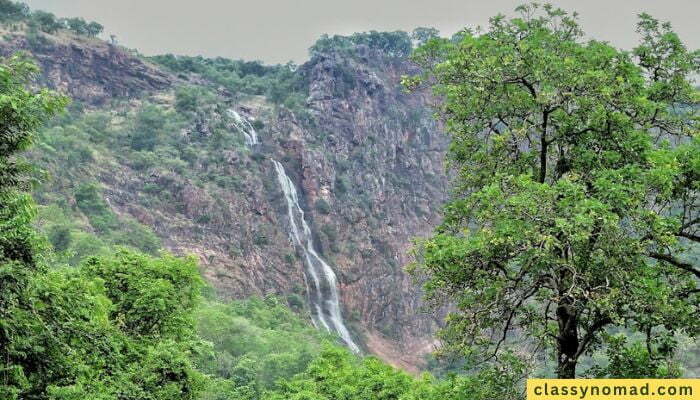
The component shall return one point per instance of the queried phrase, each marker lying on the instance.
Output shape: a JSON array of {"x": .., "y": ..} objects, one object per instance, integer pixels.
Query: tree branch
[
  {"x": 543, "y": 147},
  {"x": 676, "y": 263},
  {"x": 690, "y": 236},
  {"x": 590, "y": 334}
]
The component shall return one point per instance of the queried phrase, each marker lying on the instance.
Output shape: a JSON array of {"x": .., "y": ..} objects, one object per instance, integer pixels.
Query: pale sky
[{"x": 276, "y": 31}]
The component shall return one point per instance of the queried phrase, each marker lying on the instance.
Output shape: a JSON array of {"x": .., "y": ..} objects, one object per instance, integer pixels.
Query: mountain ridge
[{"x": 366, "y": 157}]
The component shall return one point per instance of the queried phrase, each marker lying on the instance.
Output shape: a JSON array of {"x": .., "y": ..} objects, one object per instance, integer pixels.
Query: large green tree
[
  {"x": 21, "y": 112},
  {"x": 576, "y": 190}
]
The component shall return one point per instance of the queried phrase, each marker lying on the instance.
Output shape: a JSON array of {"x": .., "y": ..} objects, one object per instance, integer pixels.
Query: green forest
[{"x": 571, "y": 229}]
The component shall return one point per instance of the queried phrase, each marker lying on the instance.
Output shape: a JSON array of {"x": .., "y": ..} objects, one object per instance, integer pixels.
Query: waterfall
[
  {"x": 323, "y": 288},
  {"x": 321, "y": 281},
  {"x": 242, "y": 124}
]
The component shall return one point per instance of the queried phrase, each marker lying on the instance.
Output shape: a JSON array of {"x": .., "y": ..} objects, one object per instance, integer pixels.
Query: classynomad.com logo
[{"x": 613, "y": 389}]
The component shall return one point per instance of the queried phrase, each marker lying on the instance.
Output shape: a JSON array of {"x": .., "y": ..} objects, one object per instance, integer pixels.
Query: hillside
[{"x": 158, "y": 151}]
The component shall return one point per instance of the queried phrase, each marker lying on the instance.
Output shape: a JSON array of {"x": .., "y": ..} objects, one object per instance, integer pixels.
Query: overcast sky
[{"x": 276, "y": 31}]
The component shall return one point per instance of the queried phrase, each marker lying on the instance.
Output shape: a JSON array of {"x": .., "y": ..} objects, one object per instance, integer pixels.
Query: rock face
[
  {"x": 88, "y": 69},
  {"x": 366, "y": 159},
  {"x": 381, "y": 170}
]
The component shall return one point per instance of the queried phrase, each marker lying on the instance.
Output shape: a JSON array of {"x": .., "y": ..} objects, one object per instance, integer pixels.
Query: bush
[
  {"x": 261, "y": 239},
  {"x": 46, "y": 22},
  {"x": 342, "y": 184},
  {"x": 289, "y": 258},
  {"x": 60, "y": 237},
  {"x": 323, "y": 207},
  {"x": 89, "y": 200},
  {"x": 258, "y": 124},
  {"x": 190, "y": 98},
  {"x": 148, "y": 128},
  {"x": 295, "y": 301},
  {"x": 330, "y": 232},
  {"x": 137, "y": 236},
  {"x": 77, "y": 25},
  {"x": 11, "y": 11},
  {"x": 94, "y": 29}
]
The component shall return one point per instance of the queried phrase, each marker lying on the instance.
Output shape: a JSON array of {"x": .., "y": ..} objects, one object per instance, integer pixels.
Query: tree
[
  {"x": 151, "y": 304},
  {"x": 11, "y": 11},
  {"x": 423, "y": 34},
  {"x": 46, "y": 21},
  {"x": 22, "y": 111},
  {"x": 338, "y": 374},
  {"x": 94, "y": 28},
  {"x": 576, "y": 190},
  {"x": 76, "y": 25},
  {"x": 148, "y": 129},
  {"x": 81, "y": 27},
  {"x": 392, "y": 44}
]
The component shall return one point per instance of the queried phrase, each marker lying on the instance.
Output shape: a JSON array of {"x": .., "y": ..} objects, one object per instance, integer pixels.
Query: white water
[
  {"x": 323, "y": 293},
  {"x": 323, "y": 290},
  {"x": 242, "y": 124}
]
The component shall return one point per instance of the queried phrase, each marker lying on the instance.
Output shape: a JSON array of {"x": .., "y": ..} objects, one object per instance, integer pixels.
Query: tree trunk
[
  {"x": 568, "y": 341},
  {"x": 566, "y": 369}
]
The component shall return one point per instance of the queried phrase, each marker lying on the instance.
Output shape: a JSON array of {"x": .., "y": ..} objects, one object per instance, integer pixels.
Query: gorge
[{"x": 171, "y": 146}]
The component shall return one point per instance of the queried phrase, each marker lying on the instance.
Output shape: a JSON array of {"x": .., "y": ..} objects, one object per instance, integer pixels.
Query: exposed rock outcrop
[{"x": 88, "y": 69}]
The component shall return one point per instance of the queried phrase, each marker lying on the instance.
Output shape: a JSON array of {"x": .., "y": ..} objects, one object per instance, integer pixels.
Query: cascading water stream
[
  {"x": 242, "y": 124},
  {"x": 323, "y": 288},
  {"x": 324, "y": 291}
]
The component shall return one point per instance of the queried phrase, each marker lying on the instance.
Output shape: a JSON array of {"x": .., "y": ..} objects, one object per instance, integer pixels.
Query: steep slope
[
  {"x": 168, "y": 151},
  {"x": 87, "y": 69}
]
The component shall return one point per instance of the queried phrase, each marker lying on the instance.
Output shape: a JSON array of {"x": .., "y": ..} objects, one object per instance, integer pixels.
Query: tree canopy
[
  {"x": 576, "y": 189},
  {"x": 392, "y": 44},
  {"x": 11, "y": 11}
]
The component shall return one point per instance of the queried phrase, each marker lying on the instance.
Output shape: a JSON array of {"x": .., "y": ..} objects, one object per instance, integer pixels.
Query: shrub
[
  {"x": 45, "y": 21},
  {"x": 148, "y": 128},
  {"x": 261, "y": 239},
  {"x": 295, "y": 301},
  {"x": 190, "y": 98},
  {"x": 90, "y": 202},
  {"x": 139, "y": 237},
  {"x": 342, "y": 184},
  {"x": 323, "y": 207},
  {"x": 11, "y": 11},
  {"x": 60, "y": 237}
]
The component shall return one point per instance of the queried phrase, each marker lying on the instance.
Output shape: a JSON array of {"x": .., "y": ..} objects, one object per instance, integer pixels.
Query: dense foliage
[
  {"x": 337, "y": 374},
  {"x": 11, "y": 11},
  {"x": 279, "y": 83},
  {"x": 392, "y": 44},
  {"x": 254, "y": 343},
  {"x": 576, "y": 197}
]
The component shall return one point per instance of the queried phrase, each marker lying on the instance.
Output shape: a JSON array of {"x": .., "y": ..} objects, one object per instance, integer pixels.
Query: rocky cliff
[{"x": 366, "y": 158}]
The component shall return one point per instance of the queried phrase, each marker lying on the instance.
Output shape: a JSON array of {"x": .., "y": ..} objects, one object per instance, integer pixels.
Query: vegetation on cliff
[
  {"x": 124, "y": 325},
  {"x": 136, "y": 165},
  {"x": 13, "y": 12}
]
